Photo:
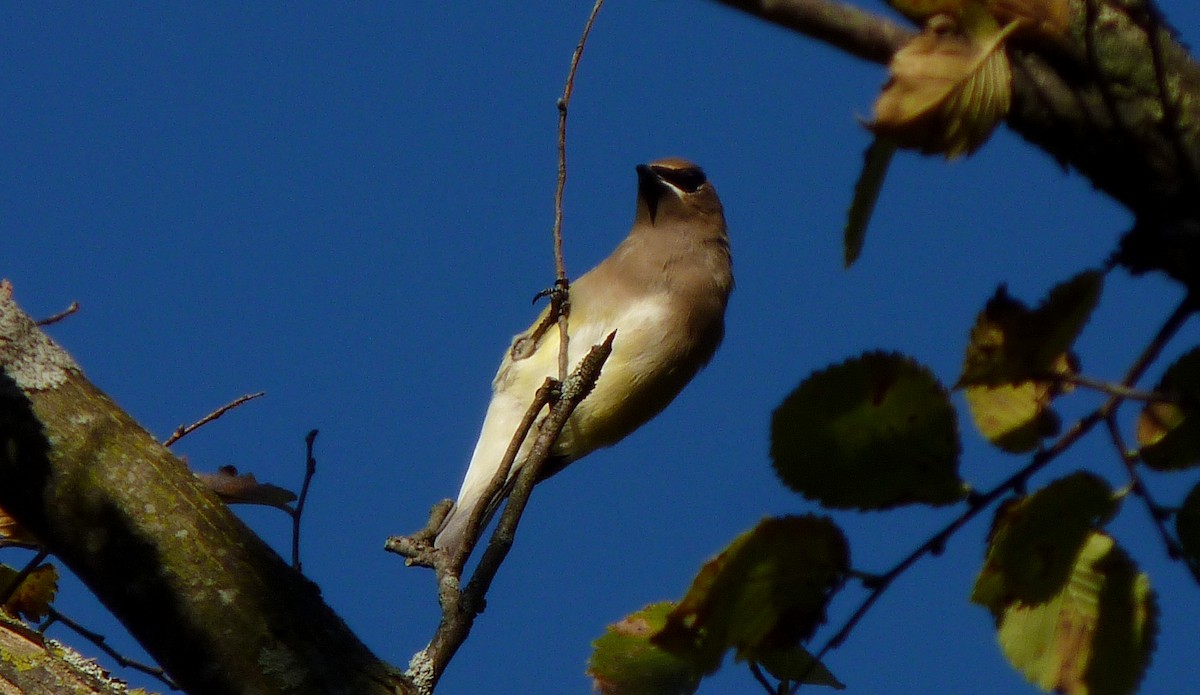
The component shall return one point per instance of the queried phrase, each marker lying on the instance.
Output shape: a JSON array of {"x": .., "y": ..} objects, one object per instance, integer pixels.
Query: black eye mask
[{"x": 689, "y": 180}]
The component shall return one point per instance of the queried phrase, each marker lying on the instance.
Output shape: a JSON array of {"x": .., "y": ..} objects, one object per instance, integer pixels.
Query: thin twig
[
  {"x": 100, "y": 641},
  {"x": 71, "y": 309},
  {"x": 184, "y": 430},
  {"x": 560, "y": 302},
  {"x": 762, "y": 679},
  {"x": 1130, "y": 460},
  {"x": 7, "y": 592},
  {"x": 310, "y": 469},
  {"x": 1124, "y": 392},
  {"x": 459, "y": 608},
  {"x": 1015, "y": 482}
]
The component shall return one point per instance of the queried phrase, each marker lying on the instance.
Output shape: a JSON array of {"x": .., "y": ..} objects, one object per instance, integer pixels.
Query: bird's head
[{"x": 675, "y": 188}]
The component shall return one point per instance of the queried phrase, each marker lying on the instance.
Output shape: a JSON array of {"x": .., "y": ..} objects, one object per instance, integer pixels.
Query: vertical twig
[
  {"x": 310, "y": 469},
  {"x": 560, "y": 302},
  {"x": 461, "y": 606}
]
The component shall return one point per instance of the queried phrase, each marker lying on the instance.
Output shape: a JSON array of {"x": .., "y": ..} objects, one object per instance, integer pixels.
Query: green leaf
[
  {"x": 1011, "y": 344},
  {"x": 765, "y": 592},
  {"x": 1095, "y": 636},
  {"x": 1035, "y": 540},
  {"x": 1169, "y": 433},
  {"x": 1187, "y": 526},
  {"x": 876, "y": 161},
  {"x": 873, "y": 432},
  {"x": 797, "y": 665},
  {"x": 624, "y": 662}
]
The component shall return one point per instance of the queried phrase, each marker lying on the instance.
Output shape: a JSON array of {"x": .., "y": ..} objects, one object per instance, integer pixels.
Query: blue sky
[{"x": 349, "y": 207}]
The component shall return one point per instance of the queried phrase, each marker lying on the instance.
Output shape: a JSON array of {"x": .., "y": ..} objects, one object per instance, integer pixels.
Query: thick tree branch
[
  {"x": 218, "y": 609},
  {"x": 845, "y": 27}
]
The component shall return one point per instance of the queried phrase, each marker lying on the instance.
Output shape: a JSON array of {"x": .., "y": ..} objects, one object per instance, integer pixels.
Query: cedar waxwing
[{"x": 663, "y": 290}]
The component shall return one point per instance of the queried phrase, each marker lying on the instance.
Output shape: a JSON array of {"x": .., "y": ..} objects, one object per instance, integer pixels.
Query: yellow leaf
[
  {"x": 33, "y": 596},
  {"x": 1014, "y": 417},
  {"x": 1014, "y": 352},
  {"x": 1034, "y": 540},
  {"x": 949, "y": 87},
  {"x": 1169, "y": 433},
  {"x": 1093, "y": 637},
  {"x": 1011, "y": 343}
]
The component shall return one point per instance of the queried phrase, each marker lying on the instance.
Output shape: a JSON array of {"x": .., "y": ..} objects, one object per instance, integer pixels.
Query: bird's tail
[
  {"x": 503, "y": 417},
  {"x": 454, "y": 528}
]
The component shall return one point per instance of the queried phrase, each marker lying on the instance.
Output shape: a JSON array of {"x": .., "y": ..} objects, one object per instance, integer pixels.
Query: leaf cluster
[{"x": 1072, "y": 611}]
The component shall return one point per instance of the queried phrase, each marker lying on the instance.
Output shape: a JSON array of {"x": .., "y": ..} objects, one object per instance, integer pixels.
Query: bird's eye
[{"x": 688, "y": 180}]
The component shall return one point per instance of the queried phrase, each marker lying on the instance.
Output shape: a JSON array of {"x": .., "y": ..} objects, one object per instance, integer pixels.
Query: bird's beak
[{"x": 651, "y": 188}]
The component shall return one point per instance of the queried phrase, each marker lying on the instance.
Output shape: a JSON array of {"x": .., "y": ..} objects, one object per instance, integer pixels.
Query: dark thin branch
[
  {"x": 1015, "y": 482},
  {"x": 762, "y": 679},
  {"x": 102, "y": 643},
  {"x": 310, "y": 469},
  {"x": 937, "y": 541},
  {"x": 1129, "y": 459},
  {"x": 184, "y": 430},
  {"x": 71, "y": 309},
  {"x": 1126, "y": 393}
]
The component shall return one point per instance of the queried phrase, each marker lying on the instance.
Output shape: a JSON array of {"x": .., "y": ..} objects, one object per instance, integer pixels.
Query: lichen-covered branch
[
  {"x": 33, "y": 665},
  {"x": 218, "y": 609}
]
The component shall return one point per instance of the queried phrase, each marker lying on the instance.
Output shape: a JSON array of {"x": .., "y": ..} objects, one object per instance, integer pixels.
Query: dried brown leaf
[
  {"x": 948, "y": 88},
  {"x": 33, "y": 596},
  {"x": 13, "y": 532},
  {"x": 245, "y": 489}
]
